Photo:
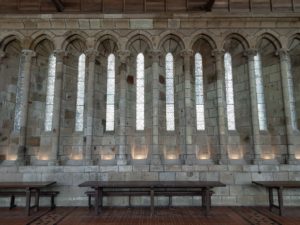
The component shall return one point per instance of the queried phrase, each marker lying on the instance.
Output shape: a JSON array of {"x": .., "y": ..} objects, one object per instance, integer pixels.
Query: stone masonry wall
[{"x": 70, "y": 157}]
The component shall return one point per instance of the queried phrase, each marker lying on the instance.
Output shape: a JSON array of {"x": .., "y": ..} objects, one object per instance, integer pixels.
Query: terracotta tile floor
[{"x": 141, "y": 216}]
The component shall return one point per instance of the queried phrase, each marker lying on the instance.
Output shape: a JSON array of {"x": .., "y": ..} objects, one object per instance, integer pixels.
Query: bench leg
[
  {"x": 271, "y": 201},
  {"x": 37, "y": 199},
  {"x": 152, "y": 201},
  {"x": 28, "y": 199},
  {"x": 129, "y": 199},
  {"x": 90, "y": 201},
  {"x": 52, "y": 202},
  {"x": 12, "y": 202},
  {"x": 280, "y": 201}
]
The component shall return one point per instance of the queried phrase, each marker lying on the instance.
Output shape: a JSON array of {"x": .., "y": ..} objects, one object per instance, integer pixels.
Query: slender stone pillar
[
  {"x": 250, "y": 53},
  {"x": 155, "y": 154},
  {"x": 222, "y": 124},
  {"x": 289, "y": 104},
  {"x": 22, "y": 101},
  {"x": 54, "y": 158},
  {"x": 91, "y": 57},
  {"x": 123, "y": 58},
  {"x": 188, "y": 106}
]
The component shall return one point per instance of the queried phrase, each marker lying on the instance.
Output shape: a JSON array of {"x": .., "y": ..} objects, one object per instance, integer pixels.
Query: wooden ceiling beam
[
  {"x": 208, "y": 6},
  {"x": 59, "y": 5}
]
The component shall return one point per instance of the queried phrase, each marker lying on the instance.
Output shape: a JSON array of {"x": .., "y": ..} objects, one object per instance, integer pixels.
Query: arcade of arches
[{"x": 154, "y": 98}]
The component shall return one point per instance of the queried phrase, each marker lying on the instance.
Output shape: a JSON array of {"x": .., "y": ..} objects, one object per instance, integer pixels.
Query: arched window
[
  {"x": 19, "y": 94},
  {"x": 50, "y": 93},
  {"x": 262, "y": 119},
  {"x": 199, "y": 92},
  {"x": 140, "y": 92},
  {"x": 229, "y": 92},
  {"x": 170, "y": 119},
  {"x": 110, "y": 93},
  {"x": 80, "y": 93}
]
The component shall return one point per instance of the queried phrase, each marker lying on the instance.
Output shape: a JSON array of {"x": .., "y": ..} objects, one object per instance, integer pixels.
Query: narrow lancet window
[
  {"x": 229, "y": 92},
  {"x": 110, "y": 93},
  {"x": 199, "y": 92},
  {"x": 50, "y": 93},
  {"x": 262, "y": 119},
  {"x": 140, "y": 92},
  {"x": 19, "y": 94},
  {"x": 80, "y": 93},
  {"x": 170, "y": 92}
]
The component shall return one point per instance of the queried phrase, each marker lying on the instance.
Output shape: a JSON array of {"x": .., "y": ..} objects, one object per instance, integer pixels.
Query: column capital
[
  {"x": 155, "y": 54},
  {"x": 91, "y": 54},
  {"x": 218, "y": 53},
  {"x": 283, "y": 54},
  {"x": 2, "y": 54},
  {"x": 123, "y": 55},
  {"x": 186, "y": 53},
  {"x": 28, "y": 53},
  {"x": 59, "y": 54},
  {"x": 251, "y": 52}
]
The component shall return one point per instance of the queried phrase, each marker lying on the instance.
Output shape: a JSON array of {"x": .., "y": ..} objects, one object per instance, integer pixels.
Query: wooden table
[
  {"x": 279, "y": 186},
  {"x": 30, "y": 188},
  {"x": 151, "y": 187}
]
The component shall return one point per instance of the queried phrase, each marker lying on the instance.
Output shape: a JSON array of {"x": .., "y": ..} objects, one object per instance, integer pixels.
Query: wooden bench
[
  {"x": 151, "y": 189},
  {"x": 279, "y": 186},
  {"x": 135, "y": 193},
  {"x": 14, "y": 194}
]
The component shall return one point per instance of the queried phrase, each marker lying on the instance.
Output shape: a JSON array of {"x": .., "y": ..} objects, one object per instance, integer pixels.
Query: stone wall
[{"x": 70, "y": 157}]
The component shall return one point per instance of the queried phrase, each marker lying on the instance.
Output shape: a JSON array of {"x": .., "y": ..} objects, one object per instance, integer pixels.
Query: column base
[
  {"x": 88, "y": 162},
  {"x": 54, "y": 162},
  {"x": 155, "y": 160},
  {"x": 121, "y": 160},
  {"x": 223, "y": 160},
  {"x": 293, "y": 161}
]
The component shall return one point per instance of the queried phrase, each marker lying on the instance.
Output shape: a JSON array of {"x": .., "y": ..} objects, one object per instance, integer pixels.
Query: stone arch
[
  {"x": 104, "y": 35},
  {"x": 72, "y": 38},
  {"x": 238, "y": 37},
  {"x": 8, "y": 39},
  {"x": 106, "y": 45},
  {"x": 136, "y": 35},
  {"x": 171, "y": 38},
  {"x": 270, "y": 37},
  {"x": 291, "y": 39},
  {"x": 204, "y": 37},
  {"x": 39, "y": 36},
  {"x": 139, "y": 43}
]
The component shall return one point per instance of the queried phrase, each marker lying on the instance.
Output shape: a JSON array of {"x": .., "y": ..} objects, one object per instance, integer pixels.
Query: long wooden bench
[
  {"x": 14, "y": 194},
  {"x": 135, "y": 193}
]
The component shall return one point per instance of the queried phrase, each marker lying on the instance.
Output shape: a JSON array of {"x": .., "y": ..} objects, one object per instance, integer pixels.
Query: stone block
[
  {"x": 242, "y": 178},
  {"x": 167, "y": 176},
  {"x": 141, "y": 23},
  {"x": 126, "y": 168}
]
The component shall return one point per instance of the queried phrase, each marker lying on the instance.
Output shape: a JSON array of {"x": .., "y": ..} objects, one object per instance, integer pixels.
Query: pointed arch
[
  {"x": 167, "y": 44},
  {"x": 271, "y": 38},
  {"x": 205, "y": 37},
  {"x": 235, "y": 36},
  {"x": 71, "y": 39},
  {"x": 136, "y": 37}
]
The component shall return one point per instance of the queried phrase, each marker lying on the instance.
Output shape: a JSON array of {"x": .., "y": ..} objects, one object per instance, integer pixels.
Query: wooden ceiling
[{"x": 142, "y": 6}]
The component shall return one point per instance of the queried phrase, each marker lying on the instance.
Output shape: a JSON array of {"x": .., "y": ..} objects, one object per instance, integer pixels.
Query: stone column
[
  {"x": 155, "y": 154},
  {"x": 54, "y": 158},
  {"x": 188, "y": 106},
  {"x": 222, "y": 124},
  {"x": 123, "y": 58},
  {"x": 91, "y": 57},
  {"x": 22, "y": 101},
  {"x": 250, "y": 53},
  {"x": 289, "y": 103}
]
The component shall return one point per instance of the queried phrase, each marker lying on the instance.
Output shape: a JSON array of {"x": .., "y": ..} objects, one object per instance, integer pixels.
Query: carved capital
[
  {"x": 186, "y": 53},
  {"x": 59, "y": 54},
  {"x": 123, "y": 56},
  {"x": 218, "y": 53},
  {"x": 155, "y": 55},
  {"x": 91, "y": 54},
  {"x": 28, "y": 54},
  {"x": 283, "y": 54},
  {"x": 250, "y": 53}
]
